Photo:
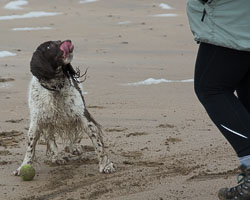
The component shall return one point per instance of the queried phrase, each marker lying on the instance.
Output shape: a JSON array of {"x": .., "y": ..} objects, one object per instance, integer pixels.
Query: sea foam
[
  {"x": 152, "y": 81},
  {"x": 31, "y": 28},
  {"x": 16, "y": 5},
  {"x": 165, "y": 15},
  {"x": 165, "y": 6},
  {"x": 6, "y": 54},
  {"x": 124, "y": 22},
  {"x": 34, "y": 14},
  {"x": 88, "y": 1}
]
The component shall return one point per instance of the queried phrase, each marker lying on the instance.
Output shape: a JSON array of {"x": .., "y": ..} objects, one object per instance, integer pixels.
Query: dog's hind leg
[
  {"x": 94, "y": 131},
  {"x": 75, "y": 136},
  {"x": 52, "y": 150},
  {"x": 33, "y": 136},
  {"x": 75, "y": 147}
]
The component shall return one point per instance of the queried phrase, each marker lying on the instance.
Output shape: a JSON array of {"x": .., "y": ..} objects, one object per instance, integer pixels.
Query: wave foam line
[
  {"x": 166, "y": 15},
  {"x": 152, "y": 81},
  {"x": 34, "y": 14},
  {"x": 16, "y": 5},
  {"x": 31, "y": 28},
  {"x": 124, "y": 22},
  {"x": 165, "y": 6},
  {"x": 88, "y": 1},
  {"x": 6, "y": 54}
]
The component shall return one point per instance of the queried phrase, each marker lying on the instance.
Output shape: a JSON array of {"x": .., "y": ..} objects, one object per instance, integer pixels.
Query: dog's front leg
[
  {"x": 33, "y": 136},
  {"x": 94, "y": 131}
]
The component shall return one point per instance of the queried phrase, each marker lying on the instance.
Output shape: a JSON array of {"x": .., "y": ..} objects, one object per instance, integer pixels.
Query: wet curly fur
[{"x": 57, "y": 106}]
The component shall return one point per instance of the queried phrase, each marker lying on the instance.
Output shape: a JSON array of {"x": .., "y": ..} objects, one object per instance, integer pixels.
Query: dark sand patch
[
  {"x": 4, "y": 80},
  {"x": 137, "y": 134}
]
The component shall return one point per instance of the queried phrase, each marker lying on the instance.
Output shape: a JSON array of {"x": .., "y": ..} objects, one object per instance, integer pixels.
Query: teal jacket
[{"x": 221, "y": 22}]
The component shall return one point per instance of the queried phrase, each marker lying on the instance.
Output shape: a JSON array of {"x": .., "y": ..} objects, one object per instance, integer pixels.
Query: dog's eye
[{"x": 48, "y": 47}]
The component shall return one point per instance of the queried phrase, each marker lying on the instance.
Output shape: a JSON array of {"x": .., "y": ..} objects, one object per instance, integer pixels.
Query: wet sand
[{"x": 159, "y": 135}]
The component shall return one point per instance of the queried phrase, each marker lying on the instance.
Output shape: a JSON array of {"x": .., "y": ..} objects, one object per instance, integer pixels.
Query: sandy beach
[{"x": 140, "y": 56}]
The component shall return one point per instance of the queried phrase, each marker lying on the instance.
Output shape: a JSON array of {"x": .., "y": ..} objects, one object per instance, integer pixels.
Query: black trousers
[{"x": 222, "y": 84}]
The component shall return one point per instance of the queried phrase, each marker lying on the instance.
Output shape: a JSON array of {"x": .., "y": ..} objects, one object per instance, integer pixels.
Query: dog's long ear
[
  {"x": 69, "y": 70},
  {"x": 40, "y": 66}
]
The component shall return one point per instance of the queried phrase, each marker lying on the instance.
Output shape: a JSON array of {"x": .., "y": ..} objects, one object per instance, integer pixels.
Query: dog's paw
[
  {"x": 17, "y": 172},
  {"x": 108, "y": 168},
  {"x": 57, "y": 160},
  {"x": 75, "y": 149}
]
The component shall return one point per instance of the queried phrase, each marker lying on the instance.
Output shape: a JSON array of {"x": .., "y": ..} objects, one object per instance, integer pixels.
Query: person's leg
[
  {"x": 218, "y": 73},
  {"x": 243, "y": 93}
]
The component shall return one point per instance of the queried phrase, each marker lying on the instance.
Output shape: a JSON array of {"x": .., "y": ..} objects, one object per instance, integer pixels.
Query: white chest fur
[{"x": 59, "y": 108}]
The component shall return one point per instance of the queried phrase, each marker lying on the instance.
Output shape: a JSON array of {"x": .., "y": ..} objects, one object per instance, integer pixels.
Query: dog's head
[{"x": 49, "y": 56}]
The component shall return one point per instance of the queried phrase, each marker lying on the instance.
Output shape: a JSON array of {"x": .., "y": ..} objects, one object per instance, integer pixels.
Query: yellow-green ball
[{"x": 27, "y": 172}]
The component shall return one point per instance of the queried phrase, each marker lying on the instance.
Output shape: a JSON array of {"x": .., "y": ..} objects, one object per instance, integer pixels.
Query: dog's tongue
[{"x": 66, "y": 47}]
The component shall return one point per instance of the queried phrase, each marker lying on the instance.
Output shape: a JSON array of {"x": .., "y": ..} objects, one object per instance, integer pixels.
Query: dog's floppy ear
[
  {"x": 68, "y": 70},
  {"x": 40, "y": 67}
]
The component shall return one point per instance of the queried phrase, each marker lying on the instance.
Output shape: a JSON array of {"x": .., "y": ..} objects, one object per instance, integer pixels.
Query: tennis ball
[{"x": 27, "y": 172}]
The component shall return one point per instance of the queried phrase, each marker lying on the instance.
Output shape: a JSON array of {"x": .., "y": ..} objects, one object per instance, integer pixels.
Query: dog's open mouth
[{"x": 67, "y": 47}]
